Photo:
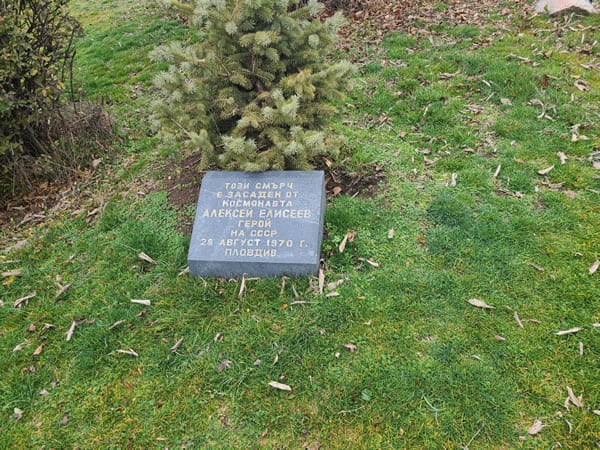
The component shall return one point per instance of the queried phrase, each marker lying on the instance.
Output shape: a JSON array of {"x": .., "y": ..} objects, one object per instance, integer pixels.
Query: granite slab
[{"x": 263, "y": 224}]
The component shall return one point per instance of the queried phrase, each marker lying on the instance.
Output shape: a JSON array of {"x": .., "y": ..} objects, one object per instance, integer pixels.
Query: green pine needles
[{"x": 255, "y": 93}]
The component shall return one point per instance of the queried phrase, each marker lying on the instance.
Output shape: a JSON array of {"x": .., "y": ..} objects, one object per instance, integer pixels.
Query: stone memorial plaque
[{"x": 260, "y": 224}]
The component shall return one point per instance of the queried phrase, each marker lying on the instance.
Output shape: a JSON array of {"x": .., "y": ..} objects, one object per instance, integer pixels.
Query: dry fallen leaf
[
  {"x": 38, "y": 350},
  {"x": 447, "y": 76},
  {"x": 321, "y": 281},
  {"x": 545, "y": 171},
  {"x": 500, "y": 338},
  {"x": 573, "y": 398},
  {"x": 582, "y": 85},
  {"x": 596, "y": 411},
  {"x": 563, "y": 157},
  {"x": 17, "y": 413},
  {"x": 369, "y": 261},
  {"x": 92, "y": 213},
  {"x": 480, "y": 303},
  {"x": 334, "y": 284},
  {"x": 176, "y": 345},
  {"x": 280, "y": 386},
  {"x": 22, "y": 300},
  {"x": 497, "y": 172},
  {"x": 569, "y": 331},
  {"x": 116, "y": 324},
  {"x": 536, "y": 267},
  {"x": 184, "y": 271},
  {"x": 144, "y": 257},
  {"x": 225, "y": 364},
  {"x": 594, "y": 267},
  {"x": 337, "y": 190},
  {"x": 12, "y": 273},
  {"x": 452, "y": 181},
  {"x": 518, "y": 320},
  {"x": 506, "y": 101},
  {"x": 44, "y": 392},
  {"x": 20, "y": 346},
  {"x": 349, "y": 237},
  {"x": 64, "y": 420},
  {"x": 536, "y": 427},
  {"x": 218, "y": 337},
  {"x": 390, "y": 234},
  {"x": 71, "y": 330},
  {"x": 581, "y": 349},
  {"x": 16, "y": 246},
  {"x": 140, "y": 301},
  {"x": 302, "y": 302},
  {"x": 62, "y": 289},
  {"x": 350, "y": 347},
  {"x": 130, "y": 352}
]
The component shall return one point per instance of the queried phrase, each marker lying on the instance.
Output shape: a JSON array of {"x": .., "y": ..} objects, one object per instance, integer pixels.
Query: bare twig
[{"x": 176, "y": 346}]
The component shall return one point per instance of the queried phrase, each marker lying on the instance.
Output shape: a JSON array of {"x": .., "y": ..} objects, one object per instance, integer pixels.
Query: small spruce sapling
[{"x": 255, "y": 92}]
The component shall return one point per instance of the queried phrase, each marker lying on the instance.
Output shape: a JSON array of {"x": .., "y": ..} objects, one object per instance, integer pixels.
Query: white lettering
[
  {"x": 263, "y": 233},
  {"x": 253, "y": 252},
  {"x": 284, "y": 214},
  {"x": 254, "y": 224},
  {"x": 227, "y": 213},
  {"x": 237, "y": 185}
]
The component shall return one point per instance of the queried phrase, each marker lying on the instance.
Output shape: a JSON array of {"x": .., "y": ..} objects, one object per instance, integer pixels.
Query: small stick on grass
[
  {"x": 497, "y": 172},
  {"x": 140, "y": 301},
  {"x": 116, "y": 324},
  {"x": 176, "y": 346},
  {"x": 321, "y": 281},
  {"x": 22, "y": 300},
  {"x": 518, "y": 320},
  {"x": 71, "y": 330},
  {"x": 62, "y": 290}
]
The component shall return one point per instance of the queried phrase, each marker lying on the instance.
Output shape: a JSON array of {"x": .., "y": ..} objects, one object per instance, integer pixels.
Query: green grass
[{"x": 428, "y": 370}]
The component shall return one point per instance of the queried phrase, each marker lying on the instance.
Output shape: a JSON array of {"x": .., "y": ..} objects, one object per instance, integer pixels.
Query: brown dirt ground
[{"x": 378, "y": 17}]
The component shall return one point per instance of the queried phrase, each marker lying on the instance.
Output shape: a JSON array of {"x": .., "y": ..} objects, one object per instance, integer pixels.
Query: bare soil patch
[{"x": 378, "y": 17}]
